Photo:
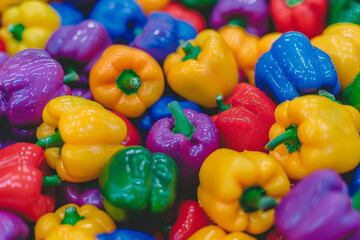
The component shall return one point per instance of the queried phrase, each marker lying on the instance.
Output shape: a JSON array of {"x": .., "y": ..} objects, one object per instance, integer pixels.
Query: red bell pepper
[
  {"x": 275, "y": 235},
  {"x": 132, "y": 136},
  {"x": 305, "y": 16},
  {"x": 192, "y": 17},
  {"x": 21, "y": 181},
  {"x": 191, "y": 218},
  {"x": 2, "y": 46},
  {"x": 245, "y": 124}
]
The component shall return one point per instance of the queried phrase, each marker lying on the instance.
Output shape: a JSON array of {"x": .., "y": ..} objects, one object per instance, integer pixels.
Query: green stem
[
  {"x": 191, "y": 52},
  {"x": 54, "y": 140},
  {"x": 356, "y": 201},
  {"x": 128, "y": 81},
  {"x": 182, "y": 125},
  {"x": 254, "y": 198},
  {"x": 71, "y": 216},
  {"x": 293, "y": 3},
  {"x": 220, "y": 103},
  {"x": 49, "y": 181},
  {"x": 16, "y": 31},
  {"x": 289, "y": 138},
  {"x": 71, "y": 76},
  {"x": 237, "y": 22},
  {"x": 325, "y": 93},
  {"x": 138, "y": 31}
]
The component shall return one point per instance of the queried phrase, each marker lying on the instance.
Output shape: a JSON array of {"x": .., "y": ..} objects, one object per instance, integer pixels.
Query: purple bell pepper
[
  {"x": 253, "y": 16},
  {"x": 3, "y": 58},
  {"x": 188, "y": 139},
  {"x": 81, "y": 92},
  {"x": 12, "y": 226},
  {"x": 318, "y": 207},
  {"x": 28, "y": 81}
]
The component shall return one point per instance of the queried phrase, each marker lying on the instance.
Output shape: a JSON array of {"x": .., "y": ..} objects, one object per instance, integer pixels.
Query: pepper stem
[
  {"x": 128, "y": 81},
  {"x": 293, "y": 3},
  {"x": 49, "y": 181},
  {"x": 54, "y": 140},
  {"x": 325, "y": 93},
  {"x": 182, "y": 125},
  {"x": 191, "y": 52},
  {"x": 16, "y": 31},
  {"x": 138, "y": 31},
  {"x": 220, "y": 103},
  {"x": 71, "y": 76},
  {"x": 254, "y": 198},
  {"x": 289, "y": 138},
  {"x": 356, "y": 201},
  {"x": 71, "y": 216},
  {"x": 237, "y": 22}
]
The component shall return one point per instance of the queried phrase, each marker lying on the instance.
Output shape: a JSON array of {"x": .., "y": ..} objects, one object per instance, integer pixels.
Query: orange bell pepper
[
  {"x": 215, "y": 233},
  {"x": 126, "y": 80},
  {"x": 153, "y": 5}
]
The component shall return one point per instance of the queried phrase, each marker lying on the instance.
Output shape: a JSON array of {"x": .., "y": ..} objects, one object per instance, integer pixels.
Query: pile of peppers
[{"x": 179, "y": 119}]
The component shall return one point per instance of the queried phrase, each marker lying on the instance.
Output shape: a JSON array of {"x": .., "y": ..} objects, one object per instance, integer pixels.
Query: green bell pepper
[
  {"x": 344, "y": 11},
  {"x": 351, "y": 94},
  {"x": 134, "y": 179}
]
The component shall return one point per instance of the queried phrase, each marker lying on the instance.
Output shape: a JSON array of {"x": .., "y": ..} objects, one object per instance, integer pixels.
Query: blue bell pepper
[
  {"x": 293, "y": 67},
  {"x": 355, "y": 183},
  {"x": 162, "y": 35},
  {"x": 160, "y": 110},
  {"x": 123, "y": 19},
  {"x": 69, "y": 14},
  {"x": 125, "y": 234}
]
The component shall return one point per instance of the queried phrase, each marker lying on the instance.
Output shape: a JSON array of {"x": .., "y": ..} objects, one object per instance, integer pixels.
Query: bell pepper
[
  {"x": 127, "y": 80},
  {"x": 193, "y": 17},
  {"x": 12, "y": 226},
  {"x": 350, "y": 95},
  {"x": 162, "y": 35},
  {"x": 71, "y": 218},
  {"x": 160, "y": 110},
  {"x": 202, "y": 68},
  {"x": 68, "y": 13},
  {"x": 199, "y": 3},
  {"x": 341, "y": 42},
  {"x": 215, "y": 233},
  {"x": 275, "y": 235},
  {"x": 21, "y": 181},
  {"x": 135, "y": 179},
  {"x": 317, "y": 133},
  {"x": 247, "y": 48},
  {"x": 125, "y": 234},
  {"x": 2, "y": 46},
  {"x": 190, "y": 219},
  {"x": 123, "y": 19},
  {"x": 28, "y": 81},
  {"x": 132, "y": 137},
  {"x": 306, "y": 16},
  {"x": 253, "y": 16},
  {"x": 343, "y": 11},
  {"x": 187, "y": 137},
  {"x": 153, "y": 5},
  {"x": 245, "y": 119},
  {"x": 318, "y": 207},
  {"x": 293, "y": 67},
  {"x": 239, "y": 189},
  {"x": 83, "y": 130},
  {"x": 28, "y": 25},
  {"x": 82, "y": 92},
  {"x": 3, "y": 58}
]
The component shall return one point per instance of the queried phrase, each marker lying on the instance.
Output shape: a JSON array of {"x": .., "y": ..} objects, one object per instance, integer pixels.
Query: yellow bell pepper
[
  {"x": 237, "y": 189},
  {"x": 320, "y": 133},
  {"x": 6, "y": 3},
  {"x": 153, "y": 5},
  {"x": 342, "y": 42},
  {"x": 28, "y": 25},
  {"x": 74, "y": 222},
  {"x": 83, "y": 134},
  {"x": 202, "y": 68},
  {"x": 247, "y": 48},
  {"x": 215, "y": 233}
]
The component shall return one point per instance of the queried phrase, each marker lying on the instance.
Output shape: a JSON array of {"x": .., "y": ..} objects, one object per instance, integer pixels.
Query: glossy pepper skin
[
  {"x": 190, "y": 219},
  {"x": 127, "y": 14},
  {"x": 245, "y": 119},
  {"x": 153, "y": 5},
  {"x": 318, "y": 207},
  {"x": 6, "y": 3},
  {"x": 12, "y": 226},
  {"x": 160, "y": 110},
  {"x": 2, "y": 46},
  {"x": 306, "y": 16},
  {"x": 350, "y": 96},
  {"x": 28, "y": 25},
  {"x": 342, "y": 42},
  {"x": 22, "y": 179},
  {"x": 187, "y": 137},
  {"x": 202, "y": 68},
  {"x": 293, "y": 67},
  {"x": 343, "y": 11},
  {"x": 162, "y": 34},
  {"x": 216, "y": 233},
  {"x": 253, "y": 16},
  {"x": 226, "y": 179},
  {"x": 3, "y": 58},
  {"x": 126, "y": 80},
  {"x": 71, "y": 218},
  {"x": 135, "y": 179},
  {"x": 247, "y": 48},
  {"x": 125, "y": 234},
  {"x": 199, "y": 3},
  {"x": 177, "y": 11},
  {"x": 132, "y": 136},
  {"x": 320, "y": 133},
  {"x": 69, "y": 14},
  {"x": 84, "y": 150}
]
